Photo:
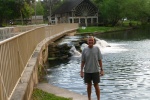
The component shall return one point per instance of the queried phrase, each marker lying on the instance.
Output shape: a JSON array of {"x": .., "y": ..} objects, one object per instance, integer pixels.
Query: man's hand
[
  {"x": 101, "y": 73},
  {"x": 82, "y": 74}
]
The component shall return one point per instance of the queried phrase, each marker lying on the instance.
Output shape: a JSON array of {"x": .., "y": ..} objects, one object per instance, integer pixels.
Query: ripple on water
[{"x": 127, "y": 73}]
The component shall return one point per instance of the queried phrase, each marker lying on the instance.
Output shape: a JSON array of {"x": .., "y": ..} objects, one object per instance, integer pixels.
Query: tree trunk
[
  {"x": 114, "y": 23},
  {"x": 1, "y": 22},
  {"x": 21, "y": 17}
]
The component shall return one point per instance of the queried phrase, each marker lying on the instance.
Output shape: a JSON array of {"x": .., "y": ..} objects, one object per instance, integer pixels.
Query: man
[{"x": 92, "y": 63}]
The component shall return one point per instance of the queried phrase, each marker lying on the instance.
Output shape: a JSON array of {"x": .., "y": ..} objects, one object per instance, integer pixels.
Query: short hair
[{"x": 92, "y": 38}]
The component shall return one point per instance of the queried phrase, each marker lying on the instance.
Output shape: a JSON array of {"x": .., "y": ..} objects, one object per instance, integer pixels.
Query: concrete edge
[{"x": 60, "y": 91}]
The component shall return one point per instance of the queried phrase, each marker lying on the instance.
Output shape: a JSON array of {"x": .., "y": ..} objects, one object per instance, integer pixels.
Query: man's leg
[
  {"x": 97, "y": 89},
  {"x": 89, "y": 90}
]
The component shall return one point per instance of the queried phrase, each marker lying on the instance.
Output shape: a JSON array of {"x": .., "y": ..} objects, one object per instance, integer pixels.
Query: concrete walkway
[{"x": 60, "y": 92}]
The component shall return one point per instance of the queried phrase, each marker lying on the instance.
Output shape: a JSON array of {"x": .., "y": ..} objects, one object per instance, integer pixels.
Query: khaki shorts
[{"x": 89, "y": 77}]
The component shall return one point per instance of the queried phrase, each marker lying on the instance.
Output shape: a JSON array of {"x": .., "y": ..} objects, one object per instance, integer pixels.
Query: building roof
[{"x": 68, "y": 6}]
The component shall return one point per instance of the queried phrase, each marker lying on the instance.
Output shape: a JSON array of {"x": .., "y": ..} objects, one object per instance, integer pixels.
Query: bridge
[{"x": 22, "y": 52}]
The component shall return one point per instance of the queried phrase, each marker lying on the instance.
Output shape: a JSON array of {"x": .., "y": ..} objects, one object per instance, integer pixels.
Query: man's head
[{"x": 91, "y": 41}]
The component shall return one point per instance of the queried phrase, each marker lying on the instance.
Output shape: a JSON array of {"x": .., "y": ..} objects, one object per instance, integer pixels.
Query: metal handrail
[{"x": 17, "y": 50}]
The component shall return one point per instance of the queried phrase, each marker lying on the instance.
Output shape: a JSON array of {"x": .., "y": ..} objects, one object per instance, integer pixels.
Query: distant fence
[
  {"x": 8, "y": 32},
  {"x": 16, "y": 51}
]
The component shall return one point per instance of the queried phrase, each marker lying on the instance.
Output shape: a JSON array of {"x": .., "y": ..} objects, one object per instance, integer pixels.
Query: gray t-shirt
[{"x": 91, "y": 57}]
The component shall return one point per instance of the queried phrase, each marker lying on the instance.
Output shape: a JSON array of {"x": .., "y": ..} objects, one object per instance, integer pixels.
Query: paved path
[{"x": 60, "y": 92}]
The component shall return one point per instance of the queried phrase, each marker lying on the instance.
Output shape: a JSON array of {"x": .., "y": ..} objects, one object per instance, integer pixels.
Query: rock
[
  {"x": 60, "y": 51},
  {"x": 84, "y": 40},
  {"x": 52, "y": 58}
]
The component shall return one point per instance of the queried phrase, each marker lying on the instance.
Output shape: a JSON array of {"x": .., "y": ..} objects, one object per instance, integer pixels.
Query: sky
[{"x": 38, "y": 0}]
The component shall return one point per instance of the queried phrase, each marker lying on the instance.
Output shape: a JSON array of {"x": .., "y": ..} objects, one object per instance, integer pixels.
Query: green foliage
[
  {"x": 136, "y": 9},
  {"x": 98, "y": 3},
  {"x": 27, "y": 10},
  {"x": 54, "y": 4},
  {"x": 98, "y": 29},
  {"x": 133, "y": 23},
  {"x": 8, "y": 10},
  {"x": 57, "y": 5},
  {"x": 111, "y": 11},
  {"x": 39, "y": 8},
  {"x": 12, "y": 9},
  {"x": 41, "y": 95}
]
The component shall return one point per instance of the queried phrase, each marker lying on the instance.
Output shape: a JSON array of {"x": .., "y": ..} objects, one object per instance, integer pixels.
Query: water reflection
[
  {"x": 136, "y": 34},
  {"x": 127, "y": 71}
]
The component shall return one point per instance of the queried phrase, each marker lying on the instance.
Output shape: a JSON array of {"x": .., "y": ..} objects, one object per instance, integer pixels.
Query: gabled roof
[{"x": 68, "y": 6}]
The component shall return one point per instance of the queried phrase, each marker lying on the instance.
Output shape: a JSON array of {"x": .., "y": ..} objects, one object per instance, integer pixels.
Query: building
[
  {"x": 83, "y": 12},
  {"x": 38, "y": 19}
]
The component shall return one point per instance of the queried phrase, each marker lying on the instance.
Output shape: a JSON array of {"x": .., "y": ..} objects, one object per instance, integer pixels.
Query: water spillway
[{"x": 126, "y": 64}]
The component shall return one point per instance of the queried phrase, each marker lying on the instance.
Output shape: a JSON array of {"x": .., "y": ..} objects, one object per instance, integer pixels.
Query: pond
[{"x": 126, "y": 65}]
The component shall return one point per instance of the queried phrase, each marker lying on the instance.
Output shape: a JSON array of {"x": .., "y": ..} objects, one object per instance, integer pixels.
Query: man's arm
[
  {"x": 101, "y": 68},
  {"x": 82, "y": 66}
]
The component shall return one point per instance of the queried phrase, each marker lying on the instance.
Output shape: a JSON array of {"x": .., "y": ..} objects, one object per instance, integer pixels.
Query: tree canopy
[
  {"x": 12, "y": 9},
  {"x": 111, "y": 11},
  {"x": 39, "y": 9}
]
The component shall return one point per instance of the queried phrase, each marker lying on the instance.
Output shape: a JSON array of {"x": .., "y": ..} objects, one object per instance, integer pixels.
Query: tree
[
  {"x": 12, "y": 9},
  {"x": 50, "y": 6},
  {"x": 111, "y": 11},
  {"x": 27, "y": 10},
  {"x": 24, "y": 8},
  {"x": 8, "y": 11},
  {"x": 137, "y": 10},
  {"x": 39, "y": 8}
]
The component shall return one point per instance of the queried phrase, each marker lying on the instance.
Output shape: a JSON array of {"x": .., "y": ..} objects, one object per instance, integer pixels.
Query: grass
[
  {"x": 81, "y": 30},
  {"x": 134, "y": 23},
  {"x": 101, "y": 29},
  {"x": 41, "y": 95}
]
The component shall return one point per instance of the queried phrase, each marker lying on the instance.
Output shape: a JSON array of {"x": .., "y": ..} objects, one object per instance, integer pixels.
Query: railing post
[{"x": 19, "y": 49}]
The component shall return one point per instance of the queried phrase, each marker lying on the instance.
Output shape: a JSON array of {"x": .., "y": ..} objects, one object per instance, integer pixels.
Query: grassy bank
[
  {"x": 41, "y": 95},
  {"x": 93, "y": 29},
  {"x": 100, "y": 29}
]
